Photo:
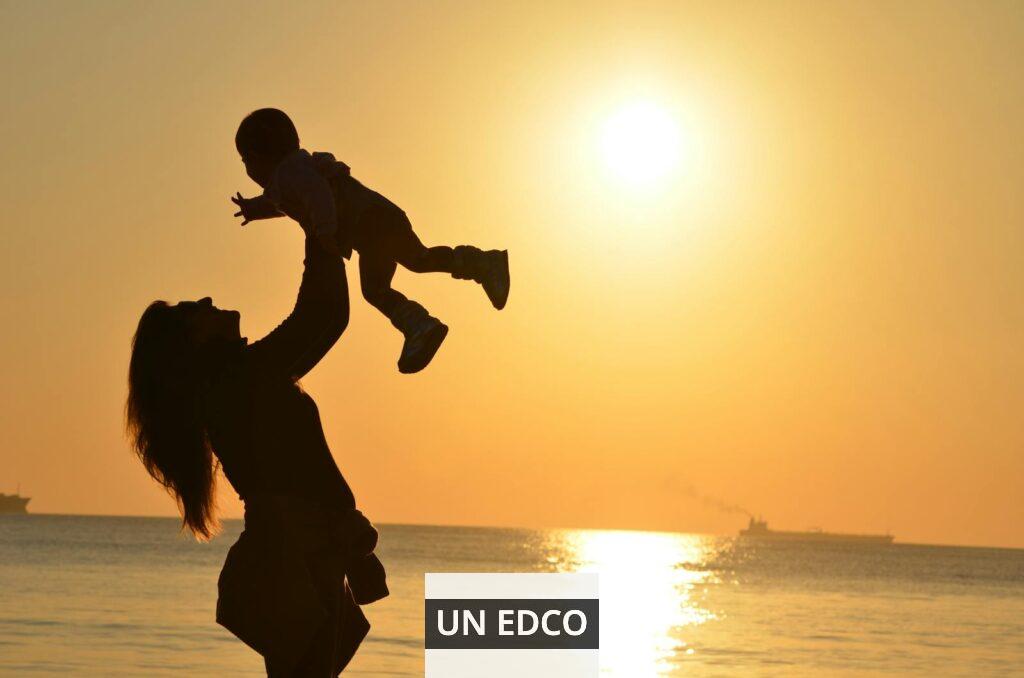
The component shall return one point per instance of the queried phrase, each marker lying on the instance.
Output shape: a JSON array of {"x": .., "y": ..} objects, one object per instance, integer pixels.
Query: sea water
[{"x": 112, "y": 596}]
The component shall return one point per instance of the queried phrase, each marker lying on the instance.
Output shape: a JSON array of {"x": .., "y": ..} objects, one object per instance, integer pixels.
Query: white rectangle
[
  {"x": 505, "y": 585},
  {"x": 511, "y": 663}
]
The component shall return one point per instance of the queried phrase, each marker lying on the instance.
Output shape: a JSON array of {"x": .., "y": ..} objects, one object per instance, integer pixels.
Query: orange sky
[{"x": 818, "y": 315}]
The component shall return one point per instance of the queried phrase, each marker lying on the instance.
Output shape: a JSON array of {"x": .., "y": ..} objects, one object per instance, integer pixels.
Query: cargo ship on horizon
[
  {"x": 758, "y": 529},
  {"x": 13, "y": 503}
]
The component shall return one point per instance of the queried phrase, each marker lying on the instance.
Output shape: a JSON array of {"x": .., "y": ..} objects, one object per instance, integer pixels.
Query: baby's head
[{"x": 263, "y": 139}]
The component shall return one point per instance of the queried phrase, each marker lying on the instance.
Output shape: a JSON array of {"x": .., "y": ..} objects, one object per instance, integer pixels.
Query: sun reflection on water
[{"x": 652, "y": 586}]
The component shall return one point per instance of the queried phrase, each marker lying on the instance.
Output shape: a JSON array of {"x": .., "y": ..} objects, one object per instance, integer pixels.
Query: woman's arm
[{"x": 320, "y": 316}]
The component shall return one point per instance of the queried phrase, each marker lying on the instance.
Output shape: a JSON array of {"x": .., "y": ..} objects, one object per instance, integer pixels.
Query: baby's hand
[{"x": 248, "y": 208}]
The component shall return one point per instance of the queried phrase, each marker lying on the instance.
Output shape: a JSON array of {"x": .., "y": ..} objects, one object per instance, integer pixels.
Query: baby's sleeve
[{"x": 313, "y": 193}]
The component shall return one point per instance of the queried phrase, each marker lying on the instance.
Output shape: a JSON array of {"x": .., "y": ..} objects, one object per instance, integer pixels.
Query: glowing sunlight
[
  {"x": 651, "y": 569},
  {"x": 641, "y": 143}
]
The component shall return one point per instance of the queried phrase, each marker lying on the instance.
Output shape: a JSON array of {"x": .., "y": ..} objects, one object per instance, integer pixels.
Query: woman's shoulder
[
  {"x": 239, "y": 375},
  {"x": 250, "y": 373},
  {"x": 244, "y": 378},
  {"x": 227, "y": 390}
]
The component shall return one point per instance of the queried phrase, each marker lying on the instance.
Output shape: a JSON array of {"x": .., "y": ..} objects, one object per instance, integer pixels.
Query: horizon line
[{"x": 510, "y": 527}]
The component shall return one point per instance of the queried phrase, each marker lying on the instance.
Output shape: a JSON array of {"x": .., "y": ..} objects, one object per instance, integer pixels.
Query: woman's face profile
[{"x": 206, "y": 322}]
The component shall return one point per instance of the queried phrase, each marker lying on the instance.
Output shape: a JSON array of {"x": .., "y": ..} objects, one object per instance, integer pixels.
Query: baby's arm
[
  {"x": 251, "y": 209},
  {"x": 316, "y": 196}
]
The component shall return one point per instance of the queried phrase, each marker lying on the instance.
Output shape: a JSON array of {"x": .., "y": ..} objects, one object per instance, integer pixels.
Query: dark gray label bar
[{"x": 512, "y": 624}]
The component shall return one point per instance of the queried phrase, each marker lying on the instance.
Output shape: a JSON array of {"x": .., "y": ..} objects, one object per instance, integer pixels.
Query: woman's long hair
[{"x": 164, "y": 413}]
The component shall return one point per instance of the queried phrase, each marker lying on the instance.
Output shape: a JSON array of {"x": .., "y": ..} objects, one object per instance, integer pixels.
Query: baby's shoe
[
  {"x": 489, "y": 268},
  {"x": 423, "y": 336}
]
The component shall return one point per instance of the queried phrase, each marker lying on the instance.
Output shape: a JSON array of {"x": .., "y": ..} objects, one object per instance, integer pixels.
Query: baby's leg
[
  {"x": 406, "y": 248},
  {"x": 489, "y": 268},
  {"x": 375, "y": 276},
  {"x": 423, "y": 332}
]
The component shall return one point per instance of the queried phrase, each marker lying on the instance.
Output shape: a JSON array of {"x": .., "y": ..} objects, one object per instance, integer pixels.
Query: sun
[{"x": 641, "y": 144}]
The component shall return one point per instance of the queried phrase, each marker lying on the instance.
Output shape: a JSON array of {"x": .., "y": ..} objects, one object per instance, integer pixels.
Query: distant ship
[
  {"x": 758, "y": 529},
  {"x": 13, "y": 503}
]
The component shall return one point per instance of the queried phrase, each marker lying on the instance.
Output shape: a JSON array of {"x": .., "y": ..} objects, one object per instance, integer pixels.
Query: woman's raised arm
[{"x": 320, "y": 316}]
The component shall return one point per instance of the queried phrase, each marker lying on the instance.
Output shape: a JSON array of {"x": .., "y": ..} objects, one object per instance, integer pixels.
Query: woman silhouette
[{"x": 200, "y": 395}]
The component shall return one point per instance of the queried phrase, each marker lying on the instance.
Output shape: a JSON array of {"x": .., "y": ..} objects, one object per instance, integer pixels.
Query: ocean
[{"x": 120, "y": 596}]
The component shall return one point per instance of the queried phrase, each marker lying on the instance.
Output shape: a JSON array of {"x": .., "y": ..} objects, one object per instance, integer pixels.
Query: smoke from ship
[{"x": 714, "y": 502}]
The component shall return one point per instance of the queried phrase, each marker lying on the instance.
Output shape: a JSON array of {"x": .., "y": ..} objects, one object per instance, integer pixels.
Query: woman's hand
[{"x": 329, "y": 244}]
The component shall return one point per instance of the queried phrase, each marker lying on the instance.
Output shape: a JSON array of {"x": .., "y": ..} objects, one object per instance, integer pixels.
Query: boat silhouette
[
  {"x": 758, "y": 528},
  {"x": 13, "y": 503}
]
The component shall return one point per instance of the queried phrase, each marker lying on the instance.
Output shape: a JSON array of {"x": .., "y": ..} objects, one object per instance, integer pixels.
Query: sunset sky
[{"x": 768, "y": 254}]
